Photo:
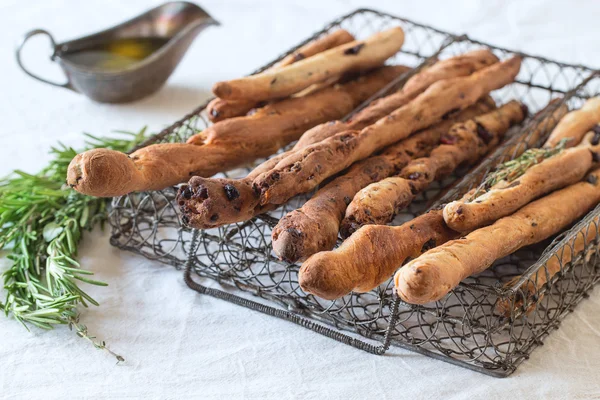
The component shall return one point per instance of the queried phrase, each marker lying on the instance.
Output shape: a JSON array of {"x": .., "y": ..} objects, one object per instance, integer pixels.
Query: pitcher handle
[{"x": 28, "y": 35}]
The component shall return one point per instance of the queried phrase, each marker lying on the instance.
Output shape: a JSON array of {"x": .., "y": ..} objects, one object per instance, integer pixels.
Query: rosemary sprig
[
  {"x": 41, "y": 223},
  {"x": 512, "y": 169}
]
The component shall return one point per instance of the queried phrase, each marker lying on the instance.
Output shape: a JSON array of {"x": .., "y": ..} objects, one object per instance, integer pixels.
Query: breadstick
[
  {"x": 529, "y": 293},
  {"x": 219, "y": 109},
  {"x": 370, "y": 256},
  {"x": 359, "y": 55},
  {"x": 198, "y": 211},
  {"x": 507, "y": 196},
  {"x": 575, "y": 124},
  {"x": 466, "y": 142},
  {"x": 462, "y": 65},
  {"x": 304, "y": 170},
  {"x": 314, "y": 227},
  {"x": 435, "y": 273},
  {"x": 222, "y": 146},
  {"x": 374, "y": 252}
]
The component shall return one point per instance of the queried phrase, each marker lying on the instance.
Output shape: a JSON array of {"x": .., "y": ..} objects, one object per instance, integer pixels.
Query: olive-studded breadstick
[
  {"x": 359, "y": 55},
  {"x": 314, "y": 227},
  {"x": 508, "y": 195},
  {"x": 200, "y": 211},
  {"x": 222, "y": 146},
  {"x": 461, "y": 65},
  {"x": 435, "y": 273},
  {"x": 576, "y": 124},
  {"x": 530, "y": 292},
  {"x": 219, "y": 109},
  {"x": 304, "y": 170},
  {"x": 374, "y": 252},
  {"x": 466, "y": 142}
]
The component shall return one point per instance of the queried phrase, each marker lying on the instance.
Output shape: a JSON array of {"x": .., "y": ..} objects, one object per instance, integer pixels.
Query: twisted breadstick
[
  {"x": 506, "y": 197},
  {"x": 359, "y": 55},
  {"x": 466, "y": 142},
  {"x": 433, "y": 274},
  {"x": 219, "y": 109},
  {"x": 226, "y": 144},
  {"x": 200, "y": 212},
  {"x": 575, "y": 124},
  {"x": 302, "y": 171},
  {"x": 314, "y": 227},
  {"x": 372, "y": 254}
]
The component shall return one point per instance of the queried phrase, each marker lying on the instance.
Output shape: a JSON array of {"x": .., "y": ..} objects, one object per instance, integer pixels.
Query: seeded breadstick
[
  {"x": 219, "y": 109},
  {"x": 222, "y": 146},
  {"x": 466, "y": 142},
  {"x": 314, "y": 227},
  {"x": 200, "y": 211},
  {"x": 575, "y": 124},
  {"x": 374, "y": 252},
  {"x": 304, "y": 170},
  {"x": 359, "y": 55},
  {"x": 508, "y": 195},
  {"x": 435, "y": 273}
]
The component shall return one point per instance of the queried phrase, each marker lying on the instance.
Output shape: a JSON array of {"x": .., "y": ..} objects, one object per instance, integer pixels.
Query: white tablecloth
[{"x": 179, "y": 344}]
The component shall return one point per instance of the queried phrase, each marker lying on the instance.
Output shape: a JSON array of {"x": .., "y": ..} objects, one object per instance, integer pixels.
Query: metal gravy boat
[{"x": 177, "y": 23}]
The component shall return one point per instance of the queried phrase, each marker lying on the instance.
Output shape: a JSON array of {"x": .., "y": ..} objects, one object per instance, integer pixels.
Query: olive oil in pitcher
[{"x": 115, "y": 54}]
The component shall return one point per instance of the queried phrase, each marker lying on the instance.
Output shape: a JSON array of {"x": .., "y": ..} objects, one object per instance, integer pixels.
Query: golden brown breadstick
[
  {"x": 304, "y": 170},
  {"x": 435, "y": 273},
  {"x": 219, "y": 109},
  {"x": 370, "y": 256},
  {"x": 222, "y": 146},
  {"x": 508, "y": 195},
  {"x": 360, "y": 55},
  {"x": 575, "y": 124},
  {"x": 466, "y": 142},
  {"x": 314, "y": 227},
  {"x": 332, "y": 274},
  {"x": 529, "y": 295},
  {"x": 461, "y": 65},
  {"x": 198, "y": 212}
]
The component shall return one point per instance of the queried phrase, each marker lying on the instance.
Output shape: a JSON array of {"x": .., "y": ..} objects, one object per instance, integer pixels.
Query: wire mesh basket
[{"x": 541, "y": 283}]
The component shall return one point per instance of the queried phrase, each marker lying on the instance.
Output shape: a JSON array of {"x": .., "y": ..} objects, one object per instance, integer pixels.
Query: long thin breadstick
[
  {"x": 507, "y": 196},
  {"x": 222, "y": 146},
  {"x": 302, "y": 171},
  {"x": 529, "y": 293},
  {"x": 219, "y": 109},
  {"x": 358, "y": 55},
  {"x": 576, "y": 124},
  {"x": 314, "y": 227},
  {"x": 198, "y": 211},
  {"x": 466, "y": 142},
  {"x": 374, "y": 252},
  {"x": 435, "y": 273}
]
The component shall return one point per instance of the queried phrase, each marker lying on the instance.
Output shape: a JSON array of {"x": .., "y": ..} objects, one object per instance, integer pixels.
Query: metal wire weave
[{"x": 465, "y": 327}]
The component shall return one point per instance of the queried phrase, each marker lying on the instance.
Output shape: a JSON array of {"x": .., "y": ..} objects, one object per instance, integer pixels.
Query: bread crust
[
  {"x": 374, "y": 252},
  {"x": 434, "y": 274},
  {"x": 504, "y": 198},
  {"x": 465, "y": 143},
  {"x": 219, "y": 109},
  {"x": 314, "y": 227},
  {"x": 304, "y": 170},
  {"x": 359, "y": 55},
  {"x": 576, "y": 124},
  {"x": 222, "y": 146},
  {"x": 198, "y": 212}
]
